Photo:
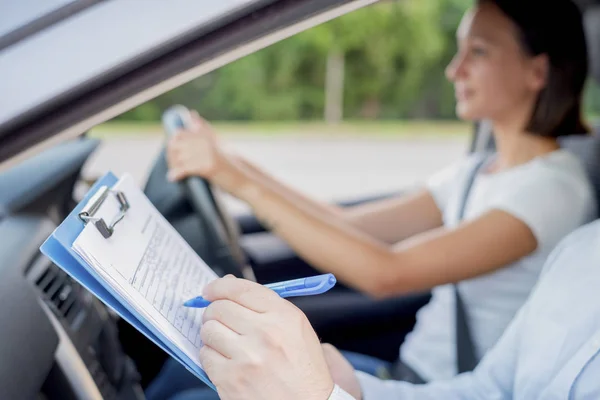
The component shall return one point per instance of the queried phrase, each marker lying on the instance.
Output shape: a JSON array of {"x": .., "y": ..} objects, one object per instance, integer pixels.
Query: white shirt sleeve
[
  {"x": 444, "y": 183},
  {"x": 492, "y": 379},
  {"x": 550, "y": 203},
  {"x": 496, "y": 375},
  {"x": 339, "y": 394}
]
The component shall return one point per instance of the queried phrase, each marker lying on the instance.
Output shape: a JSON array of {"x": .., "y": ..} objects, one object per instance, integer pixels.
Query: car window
[
  {"x": 592, "y": 103},
  {"x": 345, "y": 110}
]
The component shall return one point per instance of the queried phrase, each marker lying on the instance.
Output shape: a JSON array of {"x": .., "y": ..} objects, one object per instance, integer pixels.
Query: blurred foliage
[{"x": 395, "y": 55}]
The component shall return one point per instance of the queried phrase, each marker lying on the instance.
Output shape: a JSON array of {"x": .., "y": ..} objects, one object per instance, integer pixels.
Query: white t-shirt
[{"x": 553, "y": 196}]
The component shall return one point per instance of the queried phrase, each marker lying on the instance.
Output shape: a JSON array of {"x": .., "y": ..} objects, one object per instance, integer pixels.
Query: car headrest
[
  {"x": 591, "y": 19},
  {"x": 587, "y": 148}
]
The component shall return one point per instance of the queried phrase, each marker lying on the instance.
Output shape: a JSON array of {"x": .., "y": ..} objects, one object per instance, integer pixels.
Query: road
[{"x": 326, "y": 168}]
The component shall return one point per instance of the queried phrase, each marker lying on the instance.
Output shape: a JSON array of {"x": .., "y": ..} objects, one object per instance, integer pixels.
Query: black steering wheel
[
  {"x": 218, "y": 228},
  {"x": 214, "y": 234}
]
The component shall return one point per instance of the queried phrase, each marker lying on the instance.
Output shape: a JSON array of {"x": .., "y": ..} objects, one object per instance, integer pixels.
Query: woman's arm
[
  {"x": 332, "y": 244},
  {"x": 389, "y": 220}
]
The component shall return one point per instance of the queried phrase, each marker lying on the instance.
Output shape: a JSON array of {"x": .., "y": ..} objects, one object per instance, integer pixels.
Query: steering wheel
[{"x": 218, "y": 229}]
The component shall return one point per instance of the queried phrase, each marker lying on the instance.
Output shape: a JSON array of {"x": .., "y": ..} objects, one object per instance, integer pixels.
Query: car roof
[{"x": 90, "y": 43}]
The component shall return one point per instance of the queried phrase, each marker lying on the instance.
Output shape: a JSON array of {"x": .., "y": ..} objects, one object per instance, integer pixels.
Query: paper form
[{"x": 150, "y": 265}]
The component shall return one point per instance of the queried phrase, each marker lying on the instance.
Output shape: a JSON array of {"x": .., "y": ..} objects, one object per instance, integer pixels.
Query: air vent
[{"x": 60, "y": 291}]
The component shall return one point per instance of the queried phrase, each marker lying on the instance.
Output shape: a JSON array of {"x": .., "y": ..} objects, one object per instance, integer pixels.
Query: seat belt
[{"x": 465, "y": 348}]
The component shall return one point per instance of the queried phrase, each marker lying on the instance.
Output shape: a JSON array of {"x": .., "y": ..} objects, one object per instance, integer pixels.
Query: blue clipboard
[{"x": 58, "y": 248}]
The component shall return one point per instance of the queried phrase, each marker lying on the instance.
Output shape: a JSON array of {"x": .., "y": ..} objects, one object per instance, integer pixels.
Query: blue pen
[{"x": 296, "y": 287}]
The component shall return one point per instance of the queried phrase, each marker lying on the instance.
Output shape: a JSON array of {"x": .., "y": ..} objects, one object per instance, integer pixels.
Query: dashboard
[{"x": 57, "y": 341}]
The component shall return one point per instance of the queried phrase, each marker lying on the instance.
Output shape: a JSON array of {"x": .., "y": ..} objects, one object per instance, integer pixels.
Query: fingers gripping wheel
[{"x": 216, "y": 225}]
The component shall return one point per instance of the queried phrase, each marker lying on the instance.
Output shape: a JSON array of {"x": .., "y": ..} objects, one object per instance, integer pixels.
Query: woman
[{"x": 513, "y": 68}]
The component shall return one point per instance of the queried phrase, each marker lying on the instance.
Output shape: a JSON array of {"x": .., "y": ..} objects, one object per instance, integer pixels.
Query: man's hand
[
  {"x": 341, "y": 371},
  {"x": 259, "y": 346}
]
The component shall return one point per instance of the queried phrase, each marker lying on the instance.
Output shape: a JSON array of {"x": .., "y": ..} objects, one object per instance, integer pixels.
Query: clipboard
[{"x": 58, "y": 248}]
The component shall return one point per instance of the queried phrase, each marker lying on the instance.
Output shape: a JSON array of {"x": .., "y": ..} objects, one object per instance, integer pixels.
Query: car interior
[{"x": 59, "y": 342}]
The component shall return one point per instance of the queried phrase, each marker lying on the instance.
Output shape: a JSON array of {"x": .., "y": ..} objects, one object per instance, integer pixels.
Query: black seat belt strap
[{"x": 465, "y": 348}]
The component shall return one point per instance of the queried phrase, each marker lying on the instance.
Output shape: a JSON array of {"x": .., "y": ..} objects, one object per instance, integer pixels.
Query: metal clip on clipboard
[{"x": 93, "y": 205}]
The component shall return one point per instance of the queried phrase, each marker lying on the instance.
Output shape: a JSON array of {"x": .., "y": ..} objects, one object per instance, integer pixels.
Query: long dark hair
[{"x": 554, "y": 28}]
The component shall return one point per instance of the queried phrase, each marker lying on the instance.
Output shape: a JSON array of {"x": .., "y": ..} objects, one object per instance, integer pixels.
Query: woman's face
[{"x": 493, "y": 76}]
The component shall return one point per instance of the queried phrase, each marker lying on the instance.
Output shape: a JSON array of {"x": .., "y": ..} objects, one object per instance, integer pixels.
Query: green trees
[{"x": 385, "y": 61}]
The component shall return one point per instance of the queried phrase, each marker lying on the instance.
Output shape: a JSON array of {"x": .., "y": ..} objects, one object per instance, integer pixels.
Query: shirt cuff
[
  {"x": 339, "y": 394},
  {"x": 369, "y": 385},
  {"x": 373, "y": 388}
]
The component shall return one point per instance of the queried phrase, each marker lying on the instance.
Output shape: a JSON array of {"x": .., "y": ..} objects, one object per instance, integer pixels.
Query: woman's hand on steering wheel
[{"x": 195, "y": 151}]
